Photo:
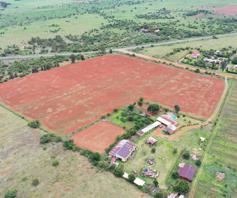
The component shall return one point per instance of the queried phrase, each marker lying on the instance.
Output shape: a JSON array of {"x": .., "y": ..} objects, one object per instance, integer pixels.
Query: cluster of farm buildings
[{"x": 125, "y": 148}]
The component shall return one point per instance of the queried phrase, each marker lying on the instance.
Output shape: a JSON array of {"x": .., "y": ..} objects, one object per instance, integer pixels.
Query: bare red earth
[
  {"x": 67, "y": 98},
  {"x": 227, "y": 10},
  {"x": 98, "y": 137}
]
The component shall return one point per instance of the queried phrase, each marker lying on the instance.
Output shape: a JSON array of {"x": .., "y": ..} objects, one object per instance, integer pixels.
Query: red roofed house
[
  {"x": 123, "y": 150},
  {"x": 195, "y": 54},
  {"x": 187, "y": 172}
]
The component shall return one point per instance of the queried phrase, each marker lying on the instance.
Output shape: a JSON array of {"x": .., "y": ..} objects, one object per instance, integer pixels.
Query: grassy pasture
[
  {"x": 222, "y": 154},
  {"x": 75, "y": 25},
  {"x": 23, "y": 159}
]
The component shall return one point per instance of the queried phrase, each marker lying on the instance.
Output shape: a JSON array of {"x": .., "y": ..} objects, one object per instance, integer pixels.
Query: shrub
[
  {"x": 198, "y": 163},
  {"x": 186, "y": 155},
  {"x": 11, "y": 193},
  {"x": 156, "y": 183},
  {"x": 49, "y": 137},
  {"x": 35, "y": 182},
  {"x": 55, "y": 163},
  {"x": 131, "y": 178},
  {"x": 175, "y": 151},
  {"x": 69, "y": 145},
  {"x": 181, "y": 187},
  {"x": 118, "y": 171},
  {"x": 175, "y": 175},
  {"x": 34, "y": 124},
  {"x": 153, "y": 150}
]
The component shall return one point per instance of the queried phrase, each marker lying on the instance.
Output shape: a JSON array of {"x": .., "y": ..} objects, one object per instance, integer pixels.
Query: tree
[
  {"x": 34, "y": 124},
  {"x": 234, "y": 60},
  {"x": 131, "y": 178},
  {"x": 72, "y": 58},
  {"x": 153, "y": 150},
  {"x": 181, "y": 187},
  {"x": 11, "y": 193},
  {"x": 118, "y": 171},
  {"x": 175, "y": 175},
  {"x": 198, "y": 162},
  {"x": 82, "y": 57},
  {"x": 131, "y": 107},
  {"x": 153, "y": 108},
  {"x": 156, "y": 183},
  {"x": 177, "y": 108},
  {"x": 69, "y": 145},
  {"x": 110, "y": 51}
]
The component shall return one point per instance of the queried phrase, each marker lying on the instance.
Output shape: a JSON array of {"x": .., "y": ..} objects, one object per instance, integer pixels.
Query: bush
[
  {"x": 175, "y": 175},
  {"x": 55, "y": 163},
  {"x": 175, "y": 151},
  {"x": 118, "y": 171},
  {"x": 198, "y": 163},
  {"x": 34, "y": 124},
  {"x": 35, "y": 182},
  {"x": 49, "y": 137},
  {"x": 186, "y": 155},
  {"x": 11, "y": 193},
  {"x": 153, "y": 150},
  {"x": 69, "y": 145},
  {"x": 131, "y": 178},
  {"x": 181, "y": 187}
]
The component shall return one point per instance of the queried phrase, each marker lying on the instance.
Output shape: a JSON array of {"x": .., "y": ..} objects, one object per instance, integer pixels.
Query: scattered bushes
[{"x": 49, "y": 137}]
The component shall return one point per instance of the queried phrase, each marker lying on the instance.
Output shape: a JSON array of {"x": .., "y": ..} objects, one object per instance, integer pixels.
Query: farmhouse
[
  {"x": 187, "y": 172},
  {"x": 195, "y": 54},
  {"x": 169, "y": 121},
  {"x": 148, "y": 128},
  {"x": 123, "y": 150}
]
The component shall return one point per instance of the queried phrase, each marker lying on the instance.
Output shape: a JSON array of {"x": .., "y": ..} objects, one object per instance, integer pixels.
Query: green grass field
[{"x": 221, "y": 156}]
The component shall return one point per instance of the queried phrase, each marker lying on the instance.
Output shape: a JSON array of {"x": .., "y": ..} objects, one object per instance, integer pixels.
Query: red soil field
[
  {"x": 227, "y": 10},
  {"x": 98, "y": 137},
  {"x": 69, "y": 97}
]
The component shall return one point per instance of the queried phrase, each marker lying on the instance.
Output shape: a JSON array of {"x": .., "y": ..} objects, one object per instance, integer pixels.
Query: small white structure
[
  {"x": 125, "y": 175},
  {"x": 139, "y": 182},
  {"x": 202, "y": 139},
  {"x": 164, "y": 121}
]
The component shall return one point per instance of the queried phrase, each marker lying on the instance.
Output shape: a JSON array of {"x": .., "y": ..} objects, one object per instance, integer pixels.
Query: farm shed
[
  {"x": 151, "y": 141},
  {"x": 139, "y": 182},
  {"x": 187, "y": 172},
  {"x": 164, "y": 121},
  {"x": 123, "y": 150},
  {"x": 149, "y": 128},
  {"x": 170, "y": 129}
]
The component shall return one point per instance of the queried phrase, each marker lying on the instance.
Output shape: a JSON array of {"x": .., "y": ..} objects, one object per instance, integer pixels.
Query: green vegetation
[
  {"x": 221, "y": 155},
  {"x": 77, "y": 27},
  {"x": 11, "y": 193},
  {"x": 34, "y": 124},
  {"x": 49, "y": 137}
]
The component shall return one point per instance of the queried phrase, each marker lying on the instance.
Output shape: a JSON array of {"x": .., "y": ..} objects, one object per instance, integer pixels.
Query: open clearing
[
  {"x": 226, "y": 10},
  {"x": 221, "y": 156},
  {"x": 23, "y": 159},
  {"x": 67, "y": 98},
  {"x": 98, "y": 137}
]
